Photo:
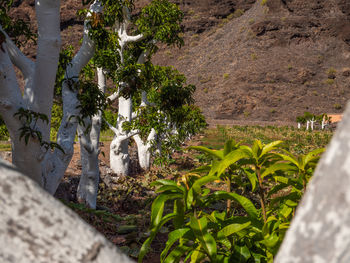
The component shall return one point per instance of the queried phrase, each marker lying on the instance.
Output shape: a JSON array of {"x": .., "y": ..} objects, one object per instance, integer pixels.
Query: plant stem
[
  {"x": 261, "y": 193},
  {"x": 228, "y": 183}
]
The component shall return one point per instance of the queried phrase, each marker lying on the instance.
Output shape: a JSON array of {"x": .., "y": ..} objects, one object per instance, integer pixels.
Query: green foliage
[
  {"x": 161, "y": 21},
  {"x": 66, "y": 55},
  {"x": 56, "y": 119},
  {"x": 244, "y": 230},
  {"x": 29, "y": 130},
  {"x": 17, "y": 29},
  {"x": 4, "y": 134}
]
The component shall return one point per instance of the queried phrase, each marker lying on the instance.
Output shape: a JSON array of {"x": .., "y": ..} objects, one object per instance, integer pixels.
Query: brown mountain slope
[{"x": 275, "y": 61}]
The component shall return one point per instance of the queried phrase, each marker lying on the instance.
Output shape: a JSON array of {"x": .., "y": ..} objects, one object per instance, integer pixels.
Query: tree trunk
[
  {"x": 143, "y": 149},
  {"x": 56, "y": 164},
  {"x": 320, "y": 231},
  {"x": 119, "y": 148},
  {"x": 89, "y": 152},
  {"x": 38, "y": 228}
]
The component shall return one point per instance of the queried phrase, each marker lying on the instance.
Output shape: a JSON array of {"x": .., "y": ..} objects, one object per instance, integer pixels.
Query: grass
[
  {"x": 5, "y": 146},
  {"x": 297, "y": 141}
]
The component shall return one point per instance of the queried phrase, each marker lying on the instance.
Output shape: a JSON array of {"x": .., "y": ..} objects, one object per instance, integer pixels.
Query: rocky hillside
[{"x": 253, "y": 60}]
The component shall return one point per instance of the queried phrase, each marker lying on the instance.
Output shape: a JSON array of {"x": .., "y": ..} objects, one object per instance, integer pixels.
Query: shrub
[
  {"x": 4, "y": 134},
  {"x": 56, "y": 120},
  {"x": 223, "y": 225}
]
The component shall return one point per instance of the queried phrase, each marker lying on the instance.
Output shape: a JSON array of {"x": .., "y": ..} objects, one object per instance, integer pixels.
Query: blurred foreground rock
[
  {"x": 320, "y": 231},
  {"x": 37, "y": 228}
]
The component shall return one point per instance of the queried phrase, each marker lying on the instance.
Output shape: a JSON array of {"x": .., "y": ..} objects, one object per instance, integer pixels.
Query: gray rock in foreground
[
  {"x": 320, "y": 231},
  {"x": 37, "y": 228}
]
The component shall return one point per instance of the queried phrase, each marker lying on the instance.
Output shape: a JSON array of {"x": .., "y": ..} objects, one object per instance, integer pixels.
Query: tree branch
[{"x": 24, "y": 64}]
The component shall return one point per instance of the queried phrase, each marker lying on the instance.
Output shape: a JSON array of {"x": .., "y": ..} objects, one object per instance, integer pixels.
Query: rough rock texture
[
  {"x": 37, "y": 228},
  {"x": 320, "y": 231},
  {"x": 251, "y": 61}
]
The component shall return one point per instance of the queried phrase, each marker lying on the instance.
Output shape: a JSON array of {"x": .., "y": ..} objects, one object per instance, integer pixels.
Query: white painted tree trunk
[
  {"x": 37, "y": 228},
  {"x": 312, "y": 124},
  {"x": 307, "y": 125},
  {"x": 299, "y": 125},
  {"x": 39, "y": 84},
  {"x": 89, "y": 152},
  {"x": 143, "y": 149},
  {"x": 57, "y": 163},
  {"x": 43, "y": 166},
  {"x": 119, "y": 148},
  {"x": 320, "y": 230}
]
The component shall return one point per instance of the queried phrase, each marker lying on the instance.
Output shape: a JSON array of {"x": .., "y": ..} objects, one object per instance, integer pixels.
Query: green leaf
[
  {"x": 146, "y": 245},
  {"x": 212, "y": 153},
  {"x": 172, "y": 238},
  {"x": 200, "y": 229},
  {"x": 164, "y": 182},
  {"x": 243, "y": 201},
  {"x": 252, "y": 178},
  {"x": 164, "y": 188},
  {"x": 269, "y": 147},
  {"x": 313, "y": 155},
  {"x": 233, "y": 228},
  {"x": 176, "y": 254},
  {"x": 277, "y": 167},
  {"x": 228, "y": 160},
  {"x": 158, "y": 207},
  {"x": 197, "y": 256}
]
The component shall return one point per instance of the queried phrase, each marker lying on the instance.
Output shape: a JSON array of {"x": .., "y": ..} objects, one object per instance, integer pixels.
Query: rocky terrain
[{"x": 266, "y": 60}]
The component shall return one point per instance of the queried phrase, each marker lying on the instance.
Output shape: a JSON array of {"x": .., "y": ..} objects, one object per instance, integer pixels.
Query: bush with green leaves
[{"x": 235, "y": 209}]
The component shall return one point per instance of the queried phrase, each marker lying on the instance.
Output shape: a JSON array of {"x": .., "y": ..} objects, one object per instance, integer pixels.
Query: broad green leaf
[
  {"x": 202, "y": 181},
  {"x": 286, "y": 211},
  {"x": 146, "y": 245},
  {"x": 176, "y": 254},
  {"x": 228, "y": 160},
  {"x": 252, "y": 178},
  {"x": 233, "y": 228},
  {"x": 221, "y": 238},
  {"x": 179, "y": 210},
  {"x": 269, "y": 147},
  {"x": 172, "y": 238},
  {"x": 200, "y": 229},
  {"x": 158, "y": 207},
  {"x": 277, "y": 167},
  {"x": 289, "y": 158},
  {"x": 197, "y": 256},
  {"x": 243, "y": 201},
  {"x": 242, "y": 254},
  {"x": 212, "y": 153},
  {"x": 164, "y": 188},
  {"x": 313, "y": 155},
  {"x": 270, "y": 241},
  {"x": 256, "y": 148},
  {"x": 164, "y": 182}
]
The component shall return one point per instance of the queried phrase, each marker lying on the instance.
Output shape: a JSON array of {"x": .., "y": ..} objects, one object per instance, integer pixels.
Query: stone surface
[
  {"x": 37, "y": 228},
  {"x": 320, "y": 231}
]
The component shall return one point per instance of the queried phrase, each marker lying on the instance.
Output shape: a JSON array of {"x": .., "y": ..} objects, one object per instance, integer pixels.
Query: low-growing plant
[{"x": 260, "y": 186}]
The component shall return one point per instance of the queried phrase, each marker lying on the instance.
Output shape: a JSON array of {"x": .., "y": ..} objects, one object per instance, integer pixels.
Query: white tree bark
[
  {"x": 307, "y": 125},
  {"x": 56, "y": 164},
  {"x": 38, "y": 94},
  {"x": 89, "y": 152},
  {"x": 119, "y": 148},
  {"x": 42, "y": 229},
  {"x": 299, "y": 125},
  {"x": 143, "y": 149},
  {"x": 320, "y": 231}
]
